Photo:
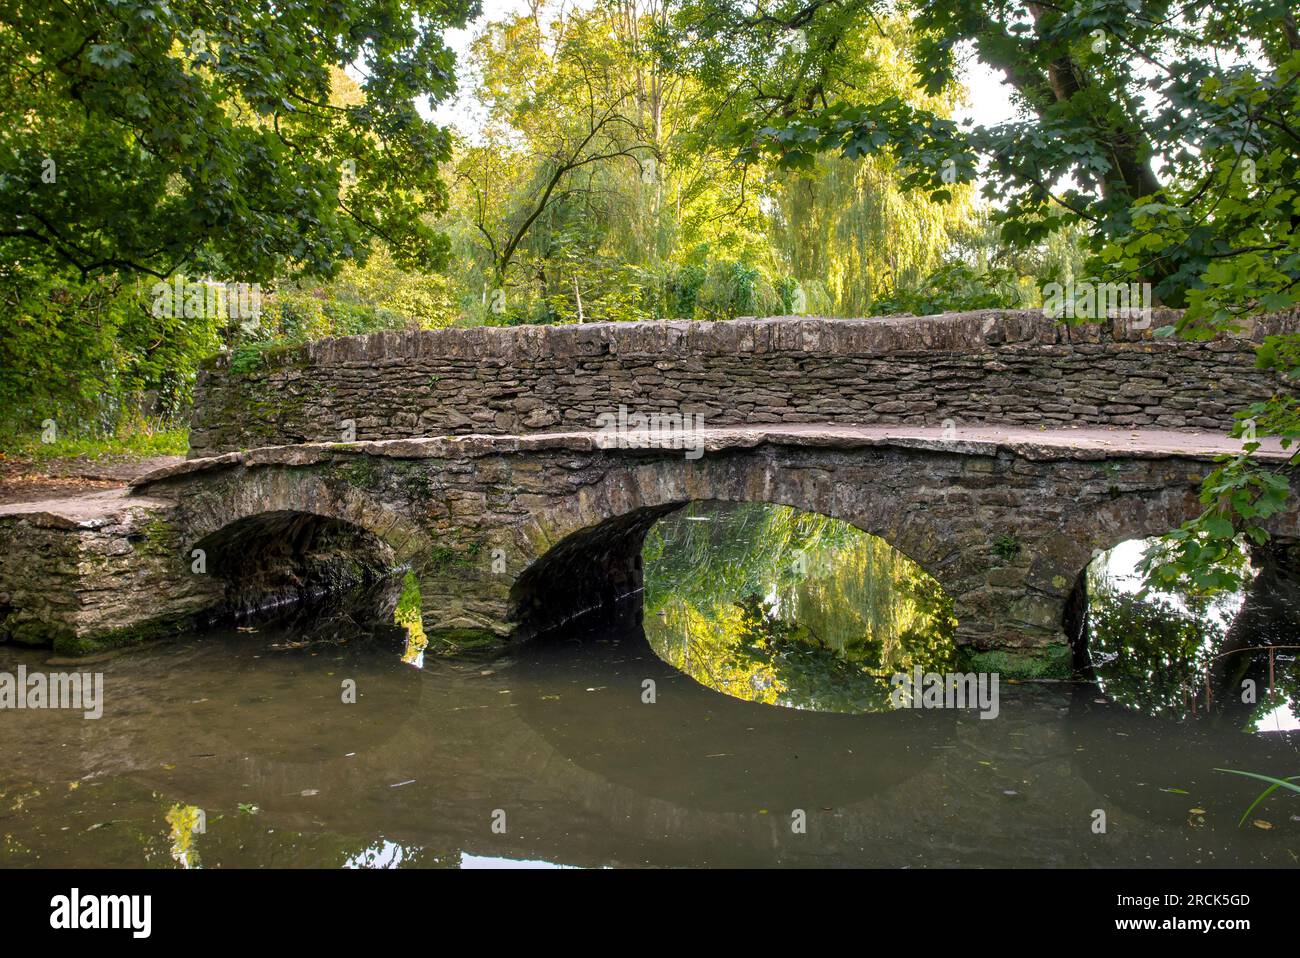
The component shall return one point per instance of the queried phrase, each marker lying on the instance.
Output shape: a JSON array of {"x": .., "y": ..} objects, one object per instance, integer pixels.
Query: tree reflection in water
[
  {"x": 1231, "y": 656},
  {"x": 774, "y": 605}
]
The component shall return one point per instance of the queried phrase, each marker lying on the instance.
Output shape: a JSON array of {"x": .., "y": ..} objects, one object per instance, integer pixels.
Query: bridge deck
[
  {"x": 974, "y": 440},
  {"x": 1030, "y": 443}
]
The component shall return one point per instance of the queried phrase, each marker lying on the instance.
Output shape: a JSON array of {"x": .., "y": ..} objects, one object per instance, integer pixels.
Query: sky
[{"x": 989, "y": 95}]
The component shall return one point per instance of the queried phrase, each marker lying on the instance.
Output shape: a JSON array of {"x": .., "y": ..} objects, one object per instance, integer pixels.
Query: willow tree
[
  {"x": 585, "y": 195},
  {"x": 849, "y": 225},
  {"x": 562, "y": 109},
  {"x": 847, "y": 230}
]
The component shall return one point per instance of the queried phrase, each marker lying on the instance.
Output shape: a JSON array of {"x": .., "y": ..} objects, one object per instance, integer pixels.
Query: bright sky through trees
[{"x": 988, "y": 100}]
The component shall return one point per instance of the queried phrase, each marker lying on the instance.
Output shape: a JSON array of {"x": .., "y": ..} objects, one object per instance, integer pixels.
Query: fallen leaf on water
[{"x": 1260, "y": 823}]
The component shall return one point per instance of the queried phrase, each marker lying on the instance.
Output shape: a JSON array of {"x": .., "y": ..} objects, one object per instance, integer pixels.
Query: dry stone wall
[{"x": 988, "y": 367}]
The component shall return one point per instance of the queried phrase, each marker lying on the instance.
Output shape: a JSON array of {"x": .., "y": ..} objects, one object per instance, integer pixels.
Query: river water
[{"x": 604, "y": 745}]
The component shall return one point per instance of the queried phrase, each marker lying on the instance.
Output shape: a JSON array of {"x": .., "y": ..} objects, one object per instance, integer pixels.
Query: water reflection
[
  {"x": 235, "y": 748},
  {"x": 487, "y": 861},
  {"x": 773, "y": 605},
  {"x": 1230, "y": 657},
  {"x": 248, "y": 728},
  {"x": 383, "y": 854},
  {"x": 186, "y": 821}
]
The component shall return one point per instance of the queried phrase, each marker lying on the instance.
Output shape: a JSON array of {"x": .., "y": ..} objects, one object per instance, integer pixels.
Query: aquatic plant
[{"x": 1274, "y": 785}]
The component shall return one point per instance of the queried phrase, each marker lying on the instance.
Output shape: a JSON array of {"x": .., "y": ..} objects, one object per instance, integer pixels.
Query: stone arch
[
  {"x": 585, "y": 550},
  {"x": 1101, "y": 525},
  {"x": 1108, "y": 524},
  {"x": 273, "y": 534},
  {"x": 1096, "y": 529}
]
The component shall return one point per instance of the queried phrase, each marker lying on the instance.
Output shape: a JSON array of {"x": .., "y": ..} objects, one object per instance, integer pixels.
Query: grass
[
  {"x": 1052, "y": 662},
  {"x": 138, "y": 439}
]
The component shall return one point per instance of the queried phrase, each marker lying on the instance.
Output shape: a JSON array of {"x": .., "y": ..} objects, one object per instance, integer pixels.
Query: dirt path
[{"x": 22, "y": 480}]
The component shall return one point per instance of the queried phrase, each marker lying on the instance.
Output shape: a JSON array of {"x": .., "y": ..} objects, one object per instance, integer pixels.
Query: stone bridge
[
  {"x": 516, "y": 534},
  {"x": 999, "y": 474}
]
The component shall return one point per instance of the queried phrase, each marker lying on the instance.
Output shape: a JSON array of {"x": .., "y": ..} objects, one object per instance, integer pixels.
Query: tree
[
  {"x": 560, "y": 91},
  {"x": 848, "y": 224},
  {"x": 147, "y": 137},
  {"x": 601, "y": 187},
  {"x": 1113, "y": 89}
]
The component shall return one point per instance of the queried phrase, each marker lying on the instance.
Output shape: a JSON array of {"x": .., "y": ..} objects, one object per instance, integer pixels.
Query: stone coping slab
[{"x": 877, "y": 335}]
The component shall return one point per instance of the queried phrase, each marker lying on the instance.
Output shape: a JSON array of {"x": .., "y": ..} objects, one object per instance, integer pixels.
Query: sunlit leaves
[{"x": 1207, "y": 554}]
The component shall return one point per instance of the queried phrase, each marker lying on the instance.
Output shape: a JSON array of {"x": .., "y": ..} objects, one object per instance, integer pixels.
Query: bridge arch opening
[
  {"x": 596, "y": 567},
  {"x": 763, "y": 602},
  {"x": 1180, "y": 652},
  {"x": 277, "y": 557},
  {"x": 783, "y": 606}
]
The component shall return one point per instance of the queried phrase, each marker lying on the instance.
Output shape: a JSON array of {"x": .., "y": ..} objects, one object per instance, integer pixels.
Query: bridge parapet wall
[{"x": 1002, "y": 367}]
